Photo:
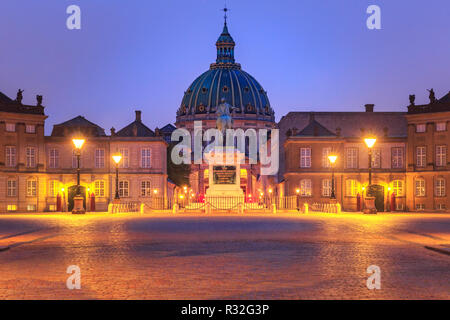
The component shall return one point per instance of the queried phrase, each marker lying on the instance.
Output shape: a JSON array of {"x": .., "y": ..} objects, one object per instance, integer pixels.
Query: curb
[{"x": 443, "y": 251}]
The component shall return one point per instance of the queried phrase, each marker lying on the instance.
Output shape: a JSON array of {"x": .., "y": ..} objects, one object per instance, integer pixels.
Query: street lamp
[
  {"x": 370, "y": 142},
  {"x": 332, "y": 158},
  {"x": 117, "y": 157},
  {"x": 78, "y": 199}
]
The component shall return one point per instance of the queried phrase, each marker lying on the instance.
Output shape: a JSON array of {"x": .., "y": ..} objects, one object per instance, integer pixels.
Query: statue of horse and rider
[{"x": 224, "y": 119}]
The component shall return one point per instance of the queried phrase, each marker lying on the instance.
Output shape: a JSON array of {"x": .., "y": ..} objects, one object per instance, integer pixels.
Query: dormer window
[
  {"x": 204, "y": 90},
  {"x": 246, "y": 89},
  {"x": 225, "y": 89},
  {"x": 421, "y": 127}
]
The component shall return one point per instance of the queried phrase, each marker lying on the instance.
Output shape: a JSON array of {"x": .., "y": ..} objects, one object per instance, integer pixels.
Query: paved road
[{"x": 224, "y": 257}]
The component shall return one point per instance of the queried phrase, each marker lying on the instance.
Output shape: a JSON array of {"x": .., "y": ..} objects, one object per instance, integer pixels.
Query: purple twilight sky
[{"x": 309, "y": 55}]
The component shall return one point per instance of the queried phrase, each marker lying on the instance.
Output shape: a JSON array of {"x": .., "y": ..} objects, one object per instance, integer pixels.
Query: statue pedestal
[
  {"x": 224, "y": 190},
  {"x": 369, "y": 205},
  {"x": 78, "y": 207}
]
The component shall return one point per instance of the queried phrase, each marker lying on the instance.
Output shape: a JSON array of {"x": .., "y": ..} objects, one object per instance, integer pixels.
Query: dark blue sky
[{"x": 309, "y": 55}]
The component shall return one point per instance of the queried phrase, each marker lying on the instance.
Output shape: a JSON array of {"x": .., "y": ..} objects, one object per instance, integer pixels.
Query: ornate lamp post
[
  {"x": 332, "y": 158},
  {"x": 78, "y": 207},
  {"x": 297, "y": 191},
  {"x": 370, "y": 200},
  {"x": 370, "y": 142},
  {"x": 117, "y": 157}
]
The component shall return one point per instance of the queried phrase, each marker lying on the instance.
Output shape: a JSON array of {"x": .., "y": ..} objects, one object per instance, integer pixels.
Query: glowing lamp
[
  {"x": 117, "y": 157},
  {"x": 78, "y": 143},
  {"x": 332, "y": 158},
  {"x": 370, "y": 142},
  {"x": 297, "y": 190},
  {"x": 155, "y": 191}
]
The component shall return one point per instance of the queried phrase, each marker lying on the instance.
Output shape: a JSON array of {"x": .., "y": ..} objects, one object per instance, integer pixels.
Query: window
[
  {"x": 10, "y": 156},
  {"x": 326, "y": 188},
  {"x": 441, "y": 206},
  {"x": 420, "y": 187},
  {"x": 125, "y": 163},
  {"x": 99, "y": 158},
  {"x": 99, "y": 188},
  {"x": 441, "y": 156},
  {"x": 376, "y": 158},
  {"x": 31, "y": 157},
  {"x": 11, "y": 188},
  {"x": 439, "y": 189},
  {"x": 123, "y": 188},
  {"x": 31, "y": 207},
  {"x": 146, "y": 188},
  {"x": 11, "y": 207},
  {"x": 52, "y": 207},
  {"x": 441, "y": 126},
  {"x": 351, "y": 158},
  {"x": 351, "y": 187},
  {"x": 325, "y": 161},
  {"x": 146, "y": 158},
  {"x": 420, "y": 206},
  {"x": 11, "y": 127},
  {"x": 421, "y": 156},
  {"x": 398, "y": 188},
  {"x": 421, "y": 127},
  {"x": 305, "y": 157},
  {"x": 53, "y": 188},
  {"x": 54, "y": 158},
  {"x": 30, "y": 128},
  {"x": 31, "y": 188},
  {"x": 305, "y": 187},
  {"x": 397, "y": 158}
]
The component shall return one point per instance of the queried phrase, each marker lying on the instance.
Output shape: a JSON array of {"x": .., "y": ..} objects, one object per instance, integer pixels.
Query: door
[{"x": 377, "y": 191}]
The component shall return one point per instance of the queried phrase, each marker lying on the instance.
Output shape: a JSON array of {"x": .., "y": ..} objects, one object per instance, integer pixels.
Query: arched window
[
  {"x": 398, "y": 188},
  {"x": 439, "y": 189},
  {"x": 420, "y": 187}
]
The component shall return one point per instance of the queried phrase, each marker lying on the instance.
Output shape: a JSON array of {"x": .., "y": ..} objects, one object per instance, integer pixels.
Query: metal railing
[{"x": 125, "y": 207}]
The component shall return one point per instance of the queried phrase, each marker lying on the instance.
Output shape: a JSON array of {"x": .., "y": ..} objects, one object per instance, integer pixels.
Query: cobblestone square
[{"x": 283, "y": 256}]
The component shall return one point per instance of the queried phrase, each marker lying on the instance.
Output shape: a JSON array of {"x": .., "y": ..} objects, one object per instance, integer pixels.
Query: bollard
[
  {"x": 208, "y": 208},
  {"x": 306, "y": 207},
  {"x": 240, "y": 208},
  {"x": 338, "y": 208},
  {"x": 274, "y": 208},
  {"x": 142, "y": 208},
  {"x": 110, "y": 206},
  {"x": 175, "y": 208}
]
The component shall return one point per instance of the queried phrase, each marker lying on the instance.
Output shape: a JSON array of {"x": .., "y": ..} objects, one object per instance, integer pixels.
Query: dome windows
[
  {"x": 225, "y": 89},
  {"x": 246, "y": 89},
  {"x": 204, "y": 90}
]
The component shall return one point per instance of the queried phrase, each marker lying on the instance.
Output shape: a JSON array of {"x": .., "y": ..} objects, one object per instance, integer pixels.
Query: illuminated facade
[{"x": 37, "y": 172}]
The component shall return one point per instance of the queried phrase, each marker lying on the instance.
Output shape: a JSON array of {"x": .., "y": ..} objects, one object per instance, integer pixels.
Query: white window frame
[
  {"x": 53, "y": 161},
  {"x": 439, "y": 187},
  {"x": 351, "y": 187},
  {"x": 420, "y": 187},
  {"x": 421, "y": 156},
  {"x": 10, "y": 127},
  {"x": 10, "y": 154},
  {"x": 31, "y": 188},
  {"x": 30, "y": 128},
  {"x": 146, "y": 188},
  {"x": 146, "y": 158},
  {"x": 376, "y": 158},
  {"x": 325, "y": 161},
  {"x": 398, "y": 154},
  {"x": 125, "y": 162},
  {"x": 326, "y": 188},
  {"x": 398, "y": 188},
  {"x": 31, "y": 157},
  {"x": 351, "y": 158},
  {"x": 305, "y": 157},
  {"x": 441, "y": 126},
  {"x": 99, "y": 158},
  {"x": 421, "y": 127},
  {"x": 53, "y": 188},
  {"x": 99, "y": 188},
  {"x": 124, "y": 188},
  {"x": 441, "y": 156},
  {"x": 306, "y": 187},
  {"x": 11, "y": 188}
]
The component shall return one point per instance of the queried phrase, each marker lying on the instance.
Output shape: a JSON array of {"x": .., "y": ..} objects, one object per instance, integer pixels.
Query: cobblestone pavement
[{"x": 224, "y": 257}]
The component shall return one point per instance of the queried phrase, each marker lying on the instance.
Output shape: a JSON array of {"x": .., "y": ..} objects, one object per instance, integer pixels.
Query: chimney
[
  {"x": 369, "y": 107},
  {"x": 138, "y": 116},
  {"x": 311, "y": 117},
  {"x": 113, "y": 131}
]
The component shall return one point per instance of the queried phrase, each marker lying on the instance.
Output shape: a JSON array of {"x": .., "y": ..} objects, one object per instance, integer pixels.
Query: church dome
[{"x": 225, "y": 79}]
